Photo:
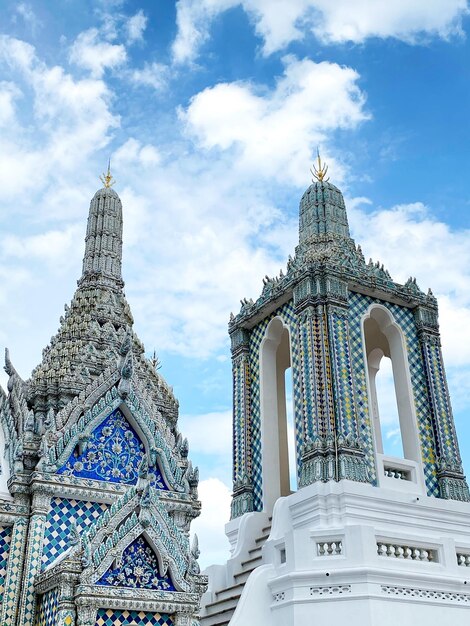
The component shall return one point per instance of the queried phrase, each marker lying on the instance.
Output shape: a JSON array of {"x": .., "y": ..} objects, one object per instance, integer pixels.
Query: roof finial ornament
[
  {"x": 107, "y": 179},
  {"x": 319, "y": 172},
  {"x": 155, "y": 361}
]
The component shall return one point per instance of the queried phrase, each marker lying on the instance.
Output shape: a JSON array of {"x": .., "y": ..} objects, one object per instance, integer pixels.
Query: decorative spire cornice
[{"x": 103, "y": 241}]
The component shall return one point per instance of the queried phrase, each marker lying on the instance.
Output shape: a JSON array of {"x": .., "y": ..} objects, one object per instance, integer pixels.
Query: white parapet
[{"x": 368, "y": 556}]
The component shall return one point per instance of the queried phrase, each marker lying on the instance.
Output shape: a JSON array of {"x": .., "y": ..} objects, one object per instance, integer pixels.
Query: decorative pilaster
[
  {"x": 11, "y": 593},
  {"x": 86, "y": 614},
  {"x": 242, "y": 501},
  {"x": 331, "y": 448},
  {"x": 40, "y": 508},
  {"x": 451, "y": 479}
]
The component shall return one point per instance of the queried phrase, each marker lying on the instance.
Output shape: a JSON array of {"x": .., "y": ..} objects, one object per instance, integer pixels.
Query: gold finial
[
  {"x": 319, "y": 172},
  {"x": 107, "y": 180}
]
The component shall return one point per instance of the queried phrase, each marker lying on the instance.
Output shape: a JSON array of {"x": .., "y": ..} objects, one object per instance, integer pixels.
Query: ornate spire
[
  {"x": 320, "y": 171},
  {"x": 103, "y": 241},
  {"x": 322, "y": 210},
  {"x": 106, "y": 178}
]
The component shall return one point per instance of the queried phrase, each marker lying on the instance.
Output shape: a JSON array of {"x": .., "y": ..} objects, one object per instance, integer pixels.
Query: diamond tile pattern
[
  {"x": 114, "y": 617},
  {"x": 58, "y": 524},
  {"x": 33, "y": 563},
  {"x": 5, "y": 540},
  {"x": 404, "y": 318},
  {"x": 8, "y": 603},
  {"x": 343, "y": 377},
  {"x": 286, "y": 313},
  {"x": 47, "y": 609}
]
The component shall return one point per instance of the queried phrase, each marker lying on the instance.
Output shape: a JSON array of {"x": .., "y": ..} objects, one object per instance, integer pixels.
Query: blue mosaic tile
[
  {"x": 114, "y": 617},
  {"x": 286, "y": 313},
  {"x": 46, "y": 612},
  {"x": 113, "y": 453},
  {"x": 56, "y": 538},
  {"x": 405, "y": 320},
  {"x": 137, "y": 568},
  {"x": 5, "y": 540}
]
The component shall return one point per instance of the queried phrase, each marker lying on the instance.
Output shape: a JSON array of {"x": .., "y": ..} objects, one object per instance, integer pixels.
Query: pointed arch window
[
  {"x": 276, "y": 418},
  {"x": 384, "y": 342}
]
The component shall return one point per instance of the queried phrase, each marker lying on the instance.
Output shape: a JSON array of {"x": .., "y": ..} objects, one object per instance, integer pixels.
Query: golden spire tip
[
  {"x": 106, "y": 178},
  {"x": 319, "y": 172}
]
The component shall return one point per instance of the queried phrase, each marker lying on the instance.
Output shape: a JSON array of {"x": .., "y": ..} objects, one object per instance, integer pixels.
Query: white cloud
[
  {"x": 210, "y": 433},
  {"x": 209, "y": 527},
  {"x": 154, "y": 75},
  {"x": 356, "y": 21},
  {"x": 25, "y": 11},
  {"x": 274, "y": 133},
  {"x": 135, "y": 27},
  {"x": 71, "y": 118},
  {"x": 54, "y": 247},
  {"x": 279, "y": 23},
  {"x": 91, "y": 52},
  {"x": 8, "y": 93},
  {"x": 134, "y": 152}
]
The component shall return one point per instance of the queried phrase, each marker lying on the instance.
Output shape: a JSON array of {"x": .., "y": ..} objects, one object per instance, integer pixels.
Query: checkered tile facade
[
  {"x": 5, "y": 540},
  {"x": 46, "y": 613},
  {"x": 10, "y": 594},
  {"x": 345, "y": 400},
  {"x": 58, "y": 524},
  {"x": 286, "y": 313},
  {"x": 114, "y": 617},
  {"x": 241, "y": 424},
  {"x": 32, "y": 567},
  {"x": 330, "y": 351},
  {"x": 358, "y": 305},
  {"x": 447, "y": 440}
]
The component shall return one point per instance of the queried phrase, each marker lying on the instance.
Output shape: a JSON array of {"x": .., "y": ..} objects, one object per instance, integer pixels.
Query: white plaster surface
[{"x": 358, "y": 587}]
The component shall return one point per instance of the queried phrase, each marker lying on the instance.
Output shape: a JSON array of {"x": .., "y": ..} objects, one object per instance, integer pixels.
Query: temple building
[
  {"x": 96, "y": 489},
  {"x": 366, "y": 538}
]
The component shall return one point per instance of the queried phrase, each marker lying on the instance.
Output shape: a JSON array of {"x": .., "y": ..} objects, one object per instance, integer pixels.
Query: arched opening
[
  {"x": 290, "y": 428},
  {"x": 275, "y": 360},
  {"x": 390, "y": 432},
  {"x": 391, "y": 398}
]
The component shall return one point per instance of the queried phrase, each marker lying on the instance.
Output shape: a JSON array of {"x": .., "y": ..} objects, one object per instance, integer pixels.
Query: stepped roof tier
[
  {"x": 94, "y": 471},
  {"x": 325, "y": 241}
]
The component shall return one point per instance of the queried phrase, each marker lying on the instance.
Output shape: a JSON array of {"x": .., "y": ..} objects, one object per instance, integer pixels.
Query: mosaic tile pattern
[
  {"x": 114, "y": 617},
  {"x": 241, "y": 424},
  {"x": 58, "y": 524},
  {"x": 343, "y": 378},
  {"x": 5, "y": 540},
  {"x": 9, "y": 601},
  {"x": 47, "y": 609},
  {"x": 286, "y": 313},
  {"x": 113, "y": 453},
  {"x": 442, "y": 410},
  {"x": 404, "y": 318},
  {"x": 137, "y": 568},
  {"x": 32, "y": 567}
]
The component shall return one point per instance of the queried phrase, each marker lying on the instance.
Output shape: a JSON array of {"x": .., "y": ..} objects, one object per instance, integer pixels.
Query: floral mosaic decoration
[{"x": 137, "y": 567}]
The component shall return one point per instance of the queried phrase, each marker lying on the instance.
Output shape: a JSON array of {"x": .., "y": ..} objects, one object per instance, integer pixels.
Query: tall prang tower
[
  {"x": 366, "y": 537},
  {"x": 97, "y": 492}
]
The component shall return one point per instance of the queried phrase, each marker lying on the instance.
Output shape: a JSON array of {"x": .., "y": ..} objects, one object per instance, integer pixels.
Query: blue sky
[{"x": 211, "y": 112}]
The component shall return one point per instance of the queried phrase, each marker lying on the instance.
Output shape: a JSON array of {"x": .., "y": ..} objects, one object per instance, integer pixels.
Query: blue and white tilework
[
  {"x": 113, "y": 453},
  {"x": 137, "y": 568},
  {"x": 47, "y": 609},
  {"x": 5, "y": 540},
  {"x": 58, "y": 521},
  {"x": 115, "y": 617},
  {"x": 358, "y": 305},
  {"x": 286, "y": 313}
]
